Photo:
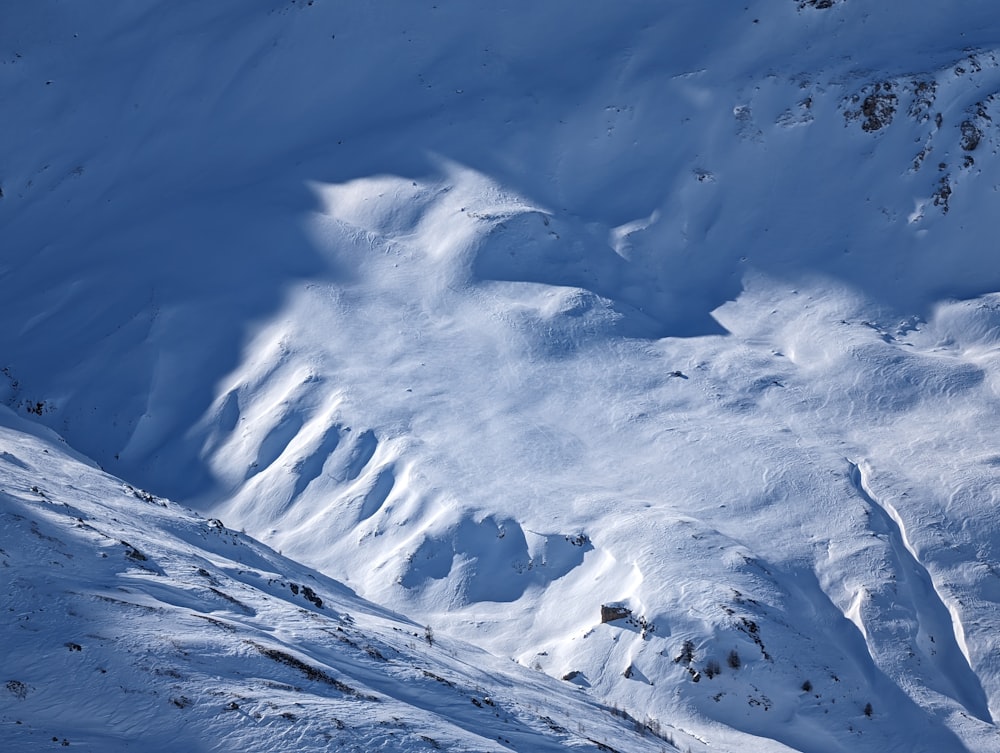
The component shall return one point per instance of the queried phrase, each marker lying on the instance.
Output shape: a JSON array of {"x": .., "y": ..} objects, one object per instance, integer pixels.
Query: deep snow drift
[{"x": 504, "y": 315}]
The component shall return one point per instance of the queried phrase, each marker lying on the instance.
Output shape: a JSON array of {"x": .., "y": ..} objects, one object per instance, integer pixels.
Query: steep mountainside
[
  {"x": 652, "y": 344},
  {"x": 129, "y": 622}
]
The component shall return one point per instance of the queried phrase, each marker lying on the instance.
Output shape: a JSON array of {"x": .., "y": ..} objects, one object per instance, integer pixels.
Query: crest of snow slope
[
  {"x": 130, "y": 621},
  {"x": 416, "y": 324}
]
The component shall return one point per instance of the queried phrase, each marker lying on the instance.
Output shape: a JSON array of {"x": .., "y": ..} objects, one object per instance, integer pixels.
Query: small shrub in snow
[
  {"x": 712, "y": 669},
  {"x": 687, "y": 654},
  {"x": 18, "y": 689}
]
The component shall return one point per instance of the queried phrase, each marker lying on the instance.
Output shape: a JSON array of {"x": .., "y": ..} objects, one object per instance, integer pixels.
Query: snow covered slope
[
  {"x": 130, "y": 623},
  {"x": 654, "y": 345}
]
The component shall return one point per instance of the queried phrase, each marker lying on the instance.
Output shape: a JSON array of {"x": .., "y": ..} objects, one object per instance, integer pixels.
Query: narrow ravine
[{"x": 930, "y": 608}]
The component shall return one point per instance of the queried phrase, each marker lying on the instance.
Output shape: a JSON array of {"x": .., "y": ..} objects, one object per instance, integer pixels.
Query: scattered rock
[
  {"x": 612, "y": 612},
  {"x": 924, "y": 93},
  {"x": 875, "y": 105},
  {"x": 971, "y": 136},
  {"x": 943, "y": 193}
]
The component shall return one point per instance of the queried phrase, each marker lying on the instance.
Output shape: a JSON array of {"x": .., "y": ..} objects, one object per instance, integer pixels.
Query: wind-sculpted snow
[
  {"x": 187, "y": 634},
  {"x": 518, "y": 317},
  {"x": 916, "y": 588}
]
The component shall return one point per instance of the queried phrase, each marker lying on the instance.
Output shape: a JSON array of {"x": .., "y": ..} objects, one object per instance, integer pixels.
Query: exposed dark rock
[{"x": 612, "y": 612}]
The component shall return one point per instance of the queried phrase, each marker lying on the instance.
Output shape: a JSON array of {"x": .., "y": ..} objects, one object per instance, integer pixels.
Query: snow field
[{"x": 502, "y": 315}]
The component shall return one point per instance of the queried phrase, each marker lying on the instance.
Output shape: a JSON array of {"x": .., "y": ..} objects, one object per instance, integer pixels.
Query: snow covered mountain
[
  {"x": 132, "y": 623},
  {"x": 653, "y": 345}
]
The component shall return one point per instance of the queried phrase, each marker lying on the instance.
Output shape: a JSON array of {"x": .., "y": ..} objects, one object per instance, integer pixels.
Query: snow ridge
[{"x": 928, "y": 602}]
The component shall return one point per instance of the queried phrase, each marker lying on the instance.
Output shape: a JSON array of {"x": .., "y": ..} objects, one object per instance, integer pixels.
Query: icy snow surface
[{"x": 503, "y": 313}]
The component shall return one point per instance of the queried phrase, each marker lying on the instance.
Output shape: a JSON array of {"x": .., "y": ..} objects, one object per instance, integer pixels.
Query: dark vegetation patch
[
  {"x": 438, "y": 678},
  {"x": 218, "y": 623},
  {"x": 312, "y": 673},
  {"x": 231, "y": 599},
  {"x": 18, "y": 689},
  {"x": 751, "y": 628},
  {"x": 649, "y": 727},
  {"x": 132, "y": 553}
]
